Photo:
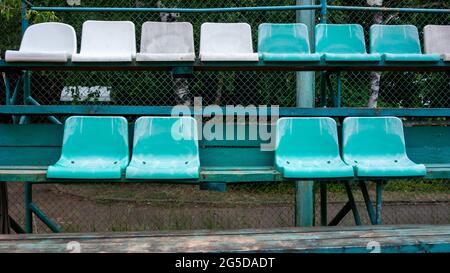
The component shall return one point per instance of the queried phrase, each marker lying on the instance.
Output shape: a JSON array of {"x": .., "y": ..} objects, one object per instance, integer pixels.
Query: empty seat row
[
  {"x": 371, "y": 147},
  {"x": 97, "y": 148},
  {"x": 167, "y": 148},
  {"x": 114, "y": 41}
]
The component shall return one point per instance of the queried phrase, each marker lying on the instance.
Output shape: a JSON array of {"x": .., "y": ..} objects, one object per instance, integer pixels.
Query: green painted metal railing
[{"x": 324, "y": 7}]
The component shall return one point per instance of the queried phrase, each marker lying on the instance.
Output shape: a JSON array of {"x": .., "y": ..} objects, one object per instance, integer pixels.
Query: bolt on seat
[
  {"x": 45, "y": 42},
  {"x": 93, "y": 148},
  {"x": 165, "y": 148},
  {"x": 107, "y": 41},
  {"x": 375, "y": 147},
  {"x": 437, "y": 40},
  {"x": 308, "y": 148},
  {"x": 285, "y": 42},
  {"x": 343, "y": 43},
  {"x": 398, "y": 43},
  {"x": 226, "y": 42},
  {"x": 166, "y": 42}
]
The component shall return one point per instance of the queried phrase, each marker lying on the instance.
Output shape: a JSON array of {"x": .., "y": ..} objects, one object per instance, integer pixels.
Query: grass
[{"x": 246, "y": 194}]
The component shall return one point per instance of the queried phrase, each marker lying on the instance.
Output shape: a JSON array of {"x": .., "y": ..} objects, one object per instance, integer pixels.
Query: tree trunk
[
  {"x": 180, "y": 85},
  {"x": 375, "y": 77}
]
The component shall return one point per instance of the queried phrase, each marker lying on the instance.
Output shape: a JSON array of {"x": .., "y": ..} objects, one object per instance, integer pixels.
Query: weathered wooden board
[{"x": 323, "y": 239}]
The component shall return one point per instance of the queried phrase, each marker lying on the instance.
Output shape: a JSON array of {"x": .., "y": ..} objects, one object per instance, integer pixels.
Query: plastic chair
[
  {"x": 375, "y": 147},
  {"x": 308, "y": 148},
  {"x": 398, "y": 43},
  {"x": 166, "y": 42},
  {"x": 226, "y": 42},
  {"x": 93, "y": 148},
  {"x": 107, "y": 41},
  {"x": 45, "y": 42},
  {"x": 437, "y": 40},
  {"x": 165, "y": 148},
  {"x": 285, "y": 42},
  {"x": 343, "y": 43}
]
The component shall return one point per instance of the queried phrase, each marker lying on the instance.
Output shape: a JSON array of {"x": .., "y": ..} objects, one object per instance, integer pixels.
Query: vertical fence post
[
  {"x": 28, "y": 192},
  {"x": 304, "y": 195},
  {"x": 323, "y": 11},
  {"x": 26, "y": 74},
  {"x": 323, "y": 84}
]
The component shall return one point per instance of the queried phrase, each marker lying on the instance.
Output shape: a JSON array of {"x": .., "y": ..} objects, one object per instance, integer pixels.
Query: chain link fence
[{"x": 135, "y": 207}]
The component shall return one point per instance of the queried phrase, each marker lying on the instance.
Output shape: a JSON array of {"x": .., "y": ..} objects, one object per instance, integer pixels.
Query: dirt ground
[{"x": 134, "y": 207}]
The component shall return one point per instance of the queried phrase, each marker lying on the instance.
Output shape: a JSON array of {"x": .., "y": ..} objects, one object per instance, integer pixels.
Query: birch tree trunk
[
  {"x": 180, "y": 85},
  {"x": 375, "y": 77}
]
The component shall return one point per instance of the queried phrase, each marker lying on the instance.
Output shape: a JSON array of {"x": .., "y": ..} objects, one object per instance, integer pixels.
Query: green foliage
[
  {"x": 398, "y": 89},
  {"x": 11, "y": 21}
]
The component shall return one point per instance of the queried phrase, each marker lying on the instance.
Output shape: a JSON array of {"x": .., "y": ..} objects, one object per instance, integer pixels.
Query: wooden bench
[{"x": 369, "y": 239}]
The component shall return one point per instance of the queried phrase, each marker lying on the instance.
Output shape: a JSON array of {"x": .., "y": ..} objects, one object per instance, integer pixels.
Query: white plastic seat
[
  {"x": 437, "y": 40},
  {"x": 45, "y": 42},
  {"x": 107, "y": 41},
  {"x": 226, "y": 42},
  {"x": 166, "y": 42}
]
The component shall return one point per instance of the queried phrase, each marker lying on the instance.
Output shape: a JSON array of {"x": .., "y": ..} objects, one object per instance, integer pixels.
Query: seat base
[
  {"x": 290, "y": 57},
  {"x": 91, "y": 172},
  {"x": 446, "y": 57},
  {"x": 377, "y": 169},
  {"x": 332, "y": 57},
  {"x": 24, "y": 56},
  {"x": 169, "y": 171},
  {"x": 173, "y": 57},
  {"x": 101, "y": 58},
  {"x": 300, "y": 169},
  {"x": 237, "y": 57},
  {"x": 388, "y": 57}
]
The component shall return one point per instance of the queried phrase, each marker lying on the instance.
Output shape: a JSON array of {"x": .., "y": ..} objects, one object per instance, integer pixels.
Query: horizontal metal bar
[
  {"x": 230, "y": 66},
  {"x": 176, "y": 10},
  {"x": 230, "y": 175},
  {"x": 53, "y": 119},
  {"x": 237, "y": 9},
  {"x": 167, "y": 111},
  {"x": 384, "y": 9}
]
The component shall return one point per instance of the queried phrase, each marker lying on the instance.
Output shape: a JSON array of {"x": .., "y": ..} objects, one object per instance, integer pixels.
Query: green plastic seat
[
  {"x": 165, "y": 148},
  {"x": 93, "y": 148},
  {"x": 398, "y": 43},
  {"x": 375, "y": 147},
  {"x": 308, "y": 148},
  {"x": 343, "y": 43},
  {"x": 285, "y": 42}
]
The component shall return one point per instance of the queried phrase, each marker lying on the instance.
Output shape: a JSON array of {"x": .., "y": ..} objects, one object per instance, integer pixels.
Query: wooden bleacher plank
[{"x": 323, "y": 239}]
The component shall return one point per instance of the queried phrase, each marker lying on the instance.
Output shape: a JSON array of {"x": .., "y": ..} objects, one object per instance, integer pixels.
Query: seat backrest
[
  {"x": 49, "y": 37},
  {"x": 283, "y": 38},
  {"x": 437, "y": 39},
  {"x": 306, "y": 137},
  {"x": 396, "y": 39},
  {"x": 96, "y": 138},
  {"x": 372, "y": 137},
  {"x": 160, "y": 38},
  {"x": 226, "y": 38},
  {"x": 165, "y": 137},
  {"x": 340, "y": 38},
  {"x": 108, "y": 37}
]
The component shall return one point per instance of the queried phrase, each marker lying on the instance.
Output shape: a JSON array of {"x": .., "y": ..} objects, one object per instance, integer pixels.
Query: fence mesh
[{"x": 119, "y": 207}]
